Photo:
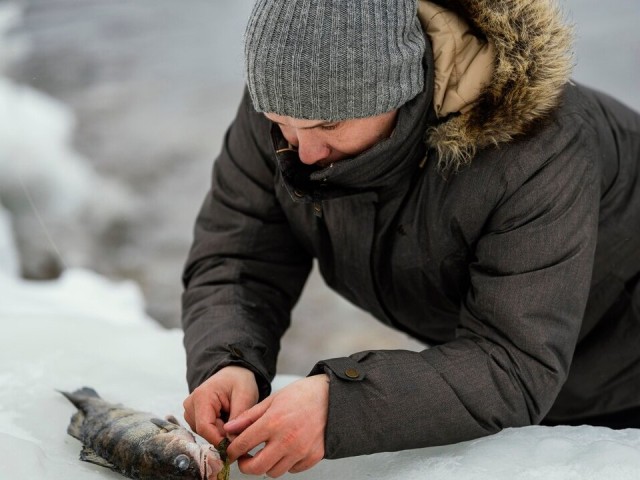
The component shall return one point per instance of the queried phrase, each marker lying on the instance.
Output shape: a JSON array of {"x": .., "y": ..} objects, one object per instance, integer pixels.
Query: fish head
[{"x": 171, "y": 457}]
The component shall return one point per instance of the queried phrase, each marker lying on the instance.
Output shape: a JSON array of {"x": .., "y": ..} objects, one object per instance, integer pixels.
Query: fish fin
[
  {"x": 89, "y": 455},
  {"x": 172, "y": 419},
  {"x": 75, "y": 427},
  {"x": 79, "y": 396},
  {"x": 164, "y": 424}
]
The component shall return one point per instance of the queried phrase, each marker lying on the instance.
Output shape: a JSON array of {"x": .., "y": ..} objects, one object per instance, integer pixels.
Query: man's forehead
[{"x": 299, "y": 123}]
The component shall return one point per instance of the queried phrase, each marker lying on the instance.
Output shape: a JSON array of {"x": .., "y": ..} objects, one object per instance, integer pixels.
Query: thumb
[
  {"x": 246, "y": 418},
  {"x": 242, "y": 399}
]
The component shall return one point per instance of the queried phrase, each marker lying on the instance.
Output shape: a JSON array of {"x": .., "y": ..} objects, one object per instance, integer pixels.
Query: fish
[{"x": 140, "y": 445}]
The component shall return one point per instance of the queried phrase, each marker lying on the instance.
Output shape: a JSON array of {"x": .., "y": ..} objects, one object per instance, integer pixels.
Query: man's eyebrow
[{"x": 320, "y": 124}]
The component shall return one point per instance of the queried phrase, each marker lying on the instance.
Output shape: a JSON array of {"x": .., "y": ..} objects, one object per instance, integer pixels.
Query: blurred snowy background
[{"x": 112, "y": 111}]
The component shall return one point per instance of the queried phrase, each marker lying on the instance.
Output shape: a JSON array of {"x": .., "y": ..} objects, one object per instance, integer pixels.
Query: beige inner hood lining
[{"x": 463, "y": 62}]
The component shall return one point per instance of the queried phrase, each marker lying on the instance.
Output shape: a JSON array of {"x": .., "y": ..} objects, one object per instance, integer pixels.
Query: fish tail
[{"x": 79, "y": 397}]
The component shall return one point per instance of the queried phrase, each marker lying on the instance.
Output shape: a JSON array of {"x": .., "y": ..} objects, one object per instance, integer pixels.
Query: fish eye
[{"x": 182, "y": 462}]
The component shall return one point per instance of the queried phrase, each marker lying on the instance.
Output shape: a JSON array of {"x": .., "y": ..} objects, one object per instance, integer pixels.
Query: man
[{"x": 448, "y": 177}]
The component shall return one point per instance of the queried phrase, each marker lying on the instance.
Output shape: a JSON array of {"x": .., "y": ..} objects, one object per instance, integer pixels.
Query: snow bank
[
  {"x": 85, "y": 330},
  {"x": 37, "y": 156},
  {"x": 77, "y": 295}
]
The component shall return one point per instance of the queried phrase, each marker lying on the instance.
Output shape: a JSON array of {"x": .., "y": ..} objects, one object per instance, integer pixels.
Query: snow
[
  {"x": 38, "y": 163},
  {"x": 35, "y": 149},
  {"x": 85, "y": 330}
]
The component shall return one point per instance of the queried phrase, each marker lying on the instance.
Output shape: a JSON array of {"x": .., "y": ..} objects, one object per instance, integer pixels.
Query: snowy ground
[{"x": 86, "y": 330}]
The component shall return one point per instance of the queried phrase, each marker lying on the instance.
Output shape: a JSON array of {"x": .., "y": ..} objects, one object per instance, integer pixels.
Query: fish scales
[
  {"x": 137, "y": 444},
  {"x": 126, "y": 437},
  {"x": 113, "y": 430}
]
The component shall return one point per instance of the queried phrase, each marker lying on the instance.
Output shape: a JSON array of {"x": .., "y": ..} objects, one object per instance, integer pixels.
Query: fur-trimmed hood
[{"x": 500, "y": 69}]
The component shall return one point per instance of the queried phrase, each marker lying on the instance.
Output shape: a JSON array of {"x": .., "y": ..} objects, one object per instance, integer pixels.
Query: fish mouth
[{"x": 210, "y": 463}]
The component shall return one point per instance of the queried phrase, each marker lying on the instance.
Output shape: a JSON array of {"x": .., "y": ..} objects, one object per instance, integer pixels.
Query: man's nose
[{"x": 311, "y": 150}]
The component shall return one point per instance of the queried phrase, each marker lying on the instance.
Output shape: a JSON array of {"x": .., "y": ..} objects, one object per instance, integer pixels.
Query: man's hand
[
  {"x": 291, "y": 422},
  {"x": 231, "y": 391}
]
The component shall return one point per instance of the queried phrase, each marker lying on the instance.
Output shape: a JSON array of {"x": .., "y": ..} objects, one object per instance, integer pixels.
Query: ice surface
[{"x": 85, "y": 330}]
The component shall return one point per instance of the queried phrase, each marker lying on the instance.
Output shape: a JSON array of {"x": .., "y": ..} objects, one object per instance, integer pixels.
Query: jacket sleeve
[
  {"x": 518, "y": 326},
  {"x": 245, "y": 270}
]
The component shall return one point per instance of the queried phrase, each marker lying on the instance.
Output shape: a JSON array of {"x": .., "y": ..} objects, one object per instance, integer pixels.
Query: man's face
[{"x": 322, "y": 143}]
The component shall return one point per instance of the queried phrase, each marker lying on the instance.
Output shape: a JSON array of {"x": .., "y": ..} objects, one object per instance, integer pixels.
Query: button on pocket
[{"x": 352, "y": 373}]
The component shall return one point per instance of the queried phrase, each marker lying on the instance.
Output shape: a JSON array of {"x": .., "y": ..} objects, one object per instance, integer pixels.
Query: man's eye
[{"x": 329, "y": 127}]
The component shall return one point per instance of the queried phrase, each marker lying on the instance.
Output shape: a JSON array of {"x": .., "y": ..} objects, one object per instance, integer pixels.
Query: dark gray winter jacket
[{"x": 509, "y": 241}]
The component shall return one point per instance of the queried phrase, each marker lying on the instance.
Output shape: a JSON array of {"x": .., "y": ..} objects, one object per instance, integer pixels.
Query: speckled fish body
[{"x": 138, "y": 445}]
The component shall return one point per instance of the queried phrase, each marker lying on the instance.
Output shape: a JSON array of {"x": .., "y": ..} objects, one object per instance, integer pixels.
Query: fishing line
[{"x": 40, "y": 219}]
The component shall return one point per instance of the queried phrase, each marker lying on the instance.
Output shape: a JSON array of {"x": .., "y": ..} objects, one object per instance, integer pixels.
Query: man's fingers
[
  {"x": 241, "y": 401},
  {"x": 248, "y": 417},
  {"x": 218, "y": 425},
  {"x": 306, "y": 463},
  {"x": 188, "y": 412},
  {"x": 240, "y": 446},
  {"x": 211, "y": 432},
  {"x": 252, "y": 432},
  {"x": 232, "y": 389},
  {"x": 280, "y": 468},
  {"x": 275, "y": 461},
  {"x": 260, "y": 463},
  {"x": 207, "y": 423},
  {"x": 189, "y": 419}
]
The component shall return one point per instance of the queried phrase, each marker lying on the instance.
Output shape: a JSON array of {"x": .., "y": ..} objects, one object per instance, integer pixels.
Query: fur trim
[{"x": 534, "y": 59}]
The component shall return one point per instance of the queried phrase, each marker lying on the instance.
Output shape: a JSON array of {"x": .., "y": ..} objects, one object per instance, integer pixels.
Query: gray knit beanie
[{"x": 333, "y": 59}]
